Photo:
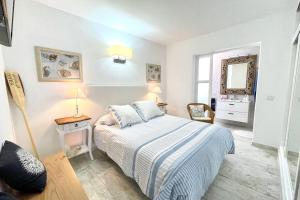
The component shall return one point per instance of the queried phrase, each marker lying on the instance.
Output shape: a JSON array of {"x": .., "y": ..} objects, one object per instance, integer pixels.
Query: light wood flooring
[
  {"x": 292, "y": 159},
  {"x": 251, "y": 173}
]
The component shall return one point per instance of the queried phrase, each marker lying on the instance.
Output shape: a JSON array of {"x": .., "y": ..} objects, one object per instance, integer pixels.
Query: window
[{"x": 203, "y": 79}]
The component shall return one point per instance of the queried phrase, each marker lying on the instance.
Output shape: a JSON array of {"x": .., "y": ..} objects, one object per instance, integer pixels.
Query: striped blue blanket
[{"x": 178, "y": 161}]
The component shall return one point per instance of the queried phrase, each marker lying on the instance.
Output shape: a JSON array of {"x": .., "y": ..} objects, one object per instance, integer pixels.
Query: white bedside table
[{"x": 70, "y": 125}]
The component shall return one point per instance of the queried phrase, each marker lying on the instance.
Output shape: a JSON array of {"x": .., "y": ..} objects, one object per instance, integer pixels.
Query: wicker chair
[{"x": 208, "y": 119}]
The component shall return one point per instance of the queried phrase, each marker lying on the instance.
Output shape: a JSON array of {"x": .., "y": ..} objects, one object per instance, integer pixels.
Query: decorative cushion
[
  {"x": 124, "y": 115},
  {"x": 106, "y": 119},
  {"x": 207, "y": 113},
  {"x": 21, "y": 170},
  {"x": 197, "y": 111},
  {"x": 147, "y": 109},
  {"x": 202, "y": 118},
  {"x": 6, "y": 196}
]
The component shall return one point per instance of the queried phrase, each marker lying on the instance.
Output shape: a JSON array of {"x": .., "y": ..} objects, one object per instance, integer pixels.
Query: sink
[{"x": 235, "y": 100}]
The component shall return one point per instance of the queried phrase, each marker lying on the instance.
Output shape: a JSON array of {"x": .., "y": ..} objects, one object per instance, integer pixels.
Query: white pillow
[
  {"x": 124, "y": 115},
  {"x": 106, "y": 119},
  {"x": 147, "y": 109}
]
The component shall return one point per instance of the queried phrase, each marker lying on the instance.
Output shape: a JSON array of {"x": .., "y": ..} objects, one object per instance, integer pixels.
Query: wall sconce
[{"x": 120, "y": 53}]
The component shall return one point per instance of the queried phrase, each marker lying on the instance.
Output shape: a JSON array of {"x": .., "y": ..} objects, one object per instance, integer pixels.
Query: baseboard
[
  {"x": 286, "y": 184},
  {"x": 264, "y": 146}
]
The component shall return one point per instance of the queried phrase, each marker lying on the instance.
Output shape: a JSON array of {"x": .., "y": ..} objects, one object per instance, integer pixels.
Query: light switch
[{"x": 270, "y": 98}]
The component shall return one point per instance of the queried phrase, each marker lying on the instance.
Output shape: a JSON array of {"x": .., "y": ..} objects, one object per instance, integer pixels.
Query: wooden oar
[{"x": 17, "y": 92}]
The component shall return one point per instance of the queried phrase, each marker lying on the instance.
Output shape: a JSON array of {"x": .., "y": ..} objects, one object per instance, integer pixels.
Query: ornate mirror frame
[{"x": 251, "y": 75}]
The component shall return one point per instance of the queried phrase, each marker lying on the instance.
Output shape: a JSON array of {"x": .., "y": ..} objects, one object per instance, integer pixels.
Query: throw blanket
[{"x": 174, "y": 162}]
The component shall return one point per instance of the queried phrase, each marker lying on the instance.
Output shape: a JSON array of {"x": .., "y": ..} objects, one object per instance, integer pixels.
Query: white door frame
[{"x": 289, "y": 191}]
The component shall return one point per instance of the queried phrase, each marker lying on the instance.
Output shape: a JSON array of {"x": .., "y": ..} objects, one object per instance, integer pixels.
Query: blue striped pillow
[
  {"x": 124, "y": 115},
  {"x": 147, "y": 110}
]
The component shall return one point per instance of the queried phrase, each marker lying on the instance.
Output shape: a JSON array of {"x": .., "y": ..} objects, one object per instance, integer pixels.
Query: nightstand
[
  {"x": 71, "y": 125},
  {"x": 163, "y": 107}
]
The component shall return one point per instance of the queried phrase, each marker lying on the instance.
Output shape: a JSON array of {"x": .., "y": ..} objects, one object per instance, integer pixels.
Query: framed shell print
[
  {"x": 57, "y": 65},
  {"x": 153, "y": 73}
]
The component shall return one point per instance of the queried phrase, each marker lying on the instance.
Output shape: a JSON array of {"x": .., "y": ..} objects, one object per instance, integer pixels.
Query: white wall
[
  {"x": 274, "y": 33},
  {"x": 6, "y": 128},
  {"x": 39, "y": 25}
]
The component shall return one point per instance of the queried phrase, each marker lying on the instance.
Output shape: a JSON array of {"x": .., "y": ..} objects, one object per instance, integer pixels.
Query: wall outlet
[{"x": 270, "y": 98}]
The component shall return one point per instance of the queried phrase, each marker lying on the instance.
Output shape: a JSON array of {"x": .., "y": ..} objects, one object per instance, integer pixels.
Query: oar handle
[
  {"x": 29, "y": 131},
  {"x": 17, "y": 92}
]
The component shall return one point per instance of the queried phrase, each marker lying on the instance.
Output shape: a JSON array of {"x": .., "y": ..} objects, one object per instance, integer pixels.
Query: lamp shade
[
  {"x": 120, "y": 51},
  {"x": 76, "y": 93},
  {"x": 157, "y": 90},
  {"x": 80, "y": 94}
]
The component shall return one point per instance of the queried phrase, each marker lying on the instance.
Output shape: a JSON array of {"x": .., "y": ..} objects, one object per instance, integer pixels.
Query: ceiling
[{"x": 167, "y": 21}]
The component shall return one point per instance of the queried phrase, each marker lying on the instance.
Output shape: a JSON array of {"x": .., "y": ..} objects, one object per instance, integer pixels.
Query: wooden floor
[{"x": 251, "y": 173}]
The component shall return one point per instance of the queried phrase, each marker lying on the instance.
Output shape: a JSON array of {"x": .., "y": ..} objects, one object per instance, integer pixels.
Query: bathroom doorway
[{"x": 235, "y": 107}]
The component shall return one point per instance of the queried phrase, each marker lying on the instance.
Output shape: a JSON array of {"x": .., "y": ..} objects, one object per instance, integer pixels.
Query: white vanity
[
  {"x": 238, "y": 75},
  {"x": 233, "y": 110}
]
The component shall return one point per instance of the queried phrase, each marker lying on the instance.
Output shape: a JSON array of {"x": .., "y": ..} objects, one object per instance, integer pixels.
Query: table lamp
[
  {"x": 78, "y": 94},
  {"x": 157, "y": 91}
]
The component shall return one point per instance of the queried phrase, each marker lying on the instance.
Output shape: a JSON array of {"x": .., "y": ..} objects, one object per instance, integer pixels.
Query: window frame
[{"x": 196, "y": 77}]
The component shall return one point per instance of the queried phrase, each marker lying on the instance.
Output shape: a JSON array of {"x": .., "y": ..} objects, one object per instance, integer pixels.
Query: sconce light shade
[{"x": 120, "y": 53}]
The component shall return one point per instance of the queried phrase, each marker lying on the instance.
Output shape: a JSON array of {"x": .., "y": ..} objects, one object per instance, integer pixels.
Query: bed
[{"x": 169, "y": 157}]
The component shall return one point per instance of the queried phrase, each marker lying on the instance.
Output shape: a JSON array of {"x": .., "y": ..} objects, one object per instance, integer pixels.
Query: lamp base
[{"x": 77, "y": 115}]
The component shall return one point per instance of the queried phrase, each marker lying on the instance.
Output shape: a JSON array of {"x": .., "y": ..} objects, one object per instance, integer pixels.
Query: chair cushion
[
  {"x": 21, "y": 170},
  {"x": 202, "y": 118},
  {"x": 197, "y": 111}
]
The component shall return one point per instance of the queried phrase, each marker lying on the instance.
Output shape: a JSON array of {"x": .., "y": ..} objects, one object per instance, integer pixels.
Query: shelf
[{"x": 77, "y": 150}]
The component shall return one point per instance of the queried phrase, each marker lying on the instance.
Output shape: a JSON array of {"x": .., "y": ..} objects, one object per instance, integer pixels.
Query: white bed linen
[
  {"x": 169, "y": 157},
  {"x": 113, "y": 140}
]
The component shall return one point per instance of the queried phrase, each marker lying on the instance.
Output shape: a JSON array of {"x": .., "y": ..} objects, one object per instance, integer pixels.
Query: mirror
[{"x": 237, "y": 76}]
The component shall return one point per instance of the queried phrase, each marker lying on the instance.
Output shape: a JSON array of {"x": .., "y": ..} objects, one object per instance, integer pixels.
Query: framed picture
[
  {"x": 58, "y": 66},
  {"x": 153, "y": 73}
]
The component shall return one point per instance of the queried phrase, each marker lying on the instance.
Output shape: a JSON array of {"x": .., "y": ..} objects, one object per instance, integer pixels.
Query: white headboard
[{"x": 102, "y": 96}]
